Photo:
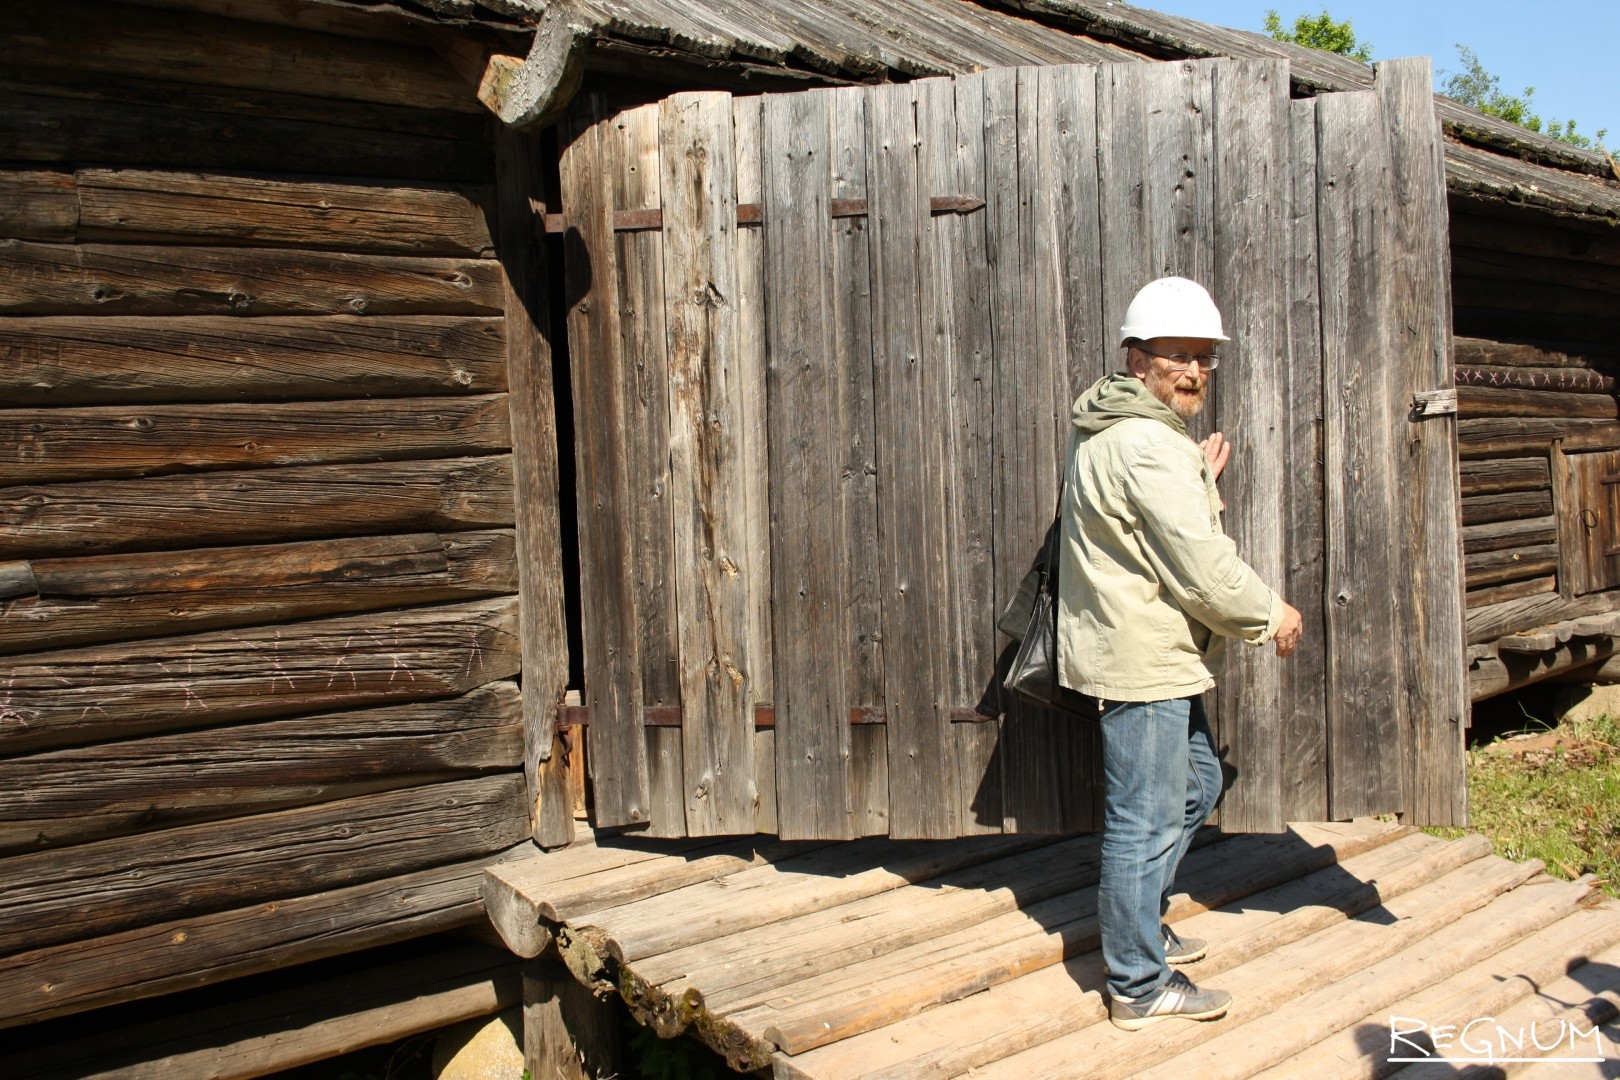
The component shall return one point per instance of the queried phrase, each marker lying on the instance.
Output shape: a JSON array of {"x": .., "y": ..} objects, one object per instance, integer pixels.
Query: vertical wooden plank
[
  {"x": 1025, "y": 452},
  {"x": 911, "y": 408},
  {"x": 1434, "y": 651},
  {"x": 1250, "y": 102},
  {"x": 807, "y": 510},
  {"x": 541, "y": 621},
  {"x": 630, "y": 142},
  {"x": 1303, "y": 740},
  {"x": 618, "y": 758},
  {"x": 1155, "y": 145},
  {"x": 959, "y": 322},
  {"x": 751, "y": 360},
  {"x": 1365, "y": 702},
  {"x": 860, "y": 628},
  {"x": 1073, "y": 343},
  {"x": 1567, "y": 513},
  {"x": 713, "y": 572}
]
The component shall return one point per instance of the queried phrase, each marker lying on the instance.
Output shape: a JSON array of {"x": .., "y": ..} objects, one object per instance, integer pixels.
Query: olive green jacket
[{"x": 1149, "y": 586}]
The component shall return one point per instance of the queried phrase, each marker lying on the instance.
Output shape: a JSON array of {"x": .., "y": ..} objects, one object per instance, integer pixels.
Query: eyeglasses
[{"x": 1182, "y": 361}]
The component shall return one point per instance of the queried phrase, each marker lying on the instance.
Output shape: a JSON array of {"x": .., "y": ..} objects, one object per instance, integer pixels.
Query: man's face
[{"x": 1184, "y": 391}]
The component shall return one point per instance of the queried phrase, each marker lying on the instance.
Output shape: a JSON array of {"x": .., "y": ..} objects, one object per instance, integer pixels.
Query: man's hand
[
  {"x": 1289, "y": 632},
  {"x": 1218, "y": 451}
]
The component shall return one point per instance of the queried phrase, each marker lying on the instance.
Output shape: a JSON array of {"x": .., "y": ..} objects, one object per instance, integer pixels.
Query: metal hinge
[{"x": 1434, "y": 403}]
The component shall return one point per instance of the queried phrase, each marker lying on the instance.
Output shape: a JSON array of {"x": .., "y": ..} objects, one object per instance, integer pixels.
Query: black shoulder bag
[{"x": 1031, "y": 616}]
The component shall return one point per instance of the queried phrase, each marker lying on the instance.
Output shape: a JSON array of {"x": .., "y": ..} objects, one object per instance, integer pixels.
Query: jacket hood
[{"x": 1118, "y": 397}]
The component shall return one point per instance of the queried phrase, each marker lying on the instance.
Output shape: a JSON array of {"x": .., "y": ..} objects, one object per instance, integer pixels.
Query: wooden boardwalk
[{"x": 887, "y": 959}]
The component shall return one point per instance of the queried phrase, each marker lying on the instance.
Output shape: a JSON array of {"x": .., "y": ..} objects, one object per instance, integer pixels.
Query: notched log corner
[{"x": 531, "y": 92}]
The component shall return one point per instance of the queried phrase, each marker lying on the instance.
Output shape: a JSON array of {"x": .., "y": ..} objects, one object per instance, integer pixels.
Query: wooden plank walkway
[{"x": 904, "y": 959}]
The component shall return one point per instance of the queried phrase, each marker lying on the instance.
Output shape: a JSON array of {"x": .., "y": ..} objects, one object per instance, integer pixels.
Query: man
[{"x": 1150, "y": 587}]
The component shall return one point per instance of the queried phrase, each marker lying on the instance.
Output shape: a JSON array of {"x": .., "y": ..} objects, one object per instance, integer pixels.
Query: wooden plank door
[{"x": 825, "y": 346}]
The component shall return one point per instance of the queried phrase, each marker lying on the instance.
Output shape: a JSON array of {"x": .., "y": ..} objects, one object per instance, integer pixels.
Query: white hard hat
[{"x": 1172, "y": 307}]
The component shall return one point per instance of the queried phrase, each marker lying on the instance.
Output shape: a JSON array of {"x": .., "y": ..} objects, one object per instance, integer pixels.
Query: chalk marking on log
[
  {"x": 343, "y": 662},
  {"x": 474, "y": 653},
  {"x": 185, "y": 687},
  {"x": 7, "y": 713},
  {"x": 399, "y": 664}
]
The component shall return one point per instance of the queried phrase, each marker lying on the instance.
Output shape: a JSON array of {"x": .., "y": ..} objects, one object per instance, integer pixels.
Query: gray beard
[{"x": 1185, "y": 406}]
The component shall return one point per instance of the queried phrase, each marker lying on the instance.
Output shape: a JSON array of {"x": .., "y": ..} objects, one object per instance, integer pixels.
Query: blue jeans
[{"x": 1163, "y": 778}]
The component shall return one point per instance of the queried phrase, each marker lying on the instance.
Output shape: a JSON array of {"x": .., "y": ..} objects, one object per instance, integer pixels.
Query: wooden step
[
  {"x": 909, "y": 980},
  {"x": 1266, "y": 984},
  {"x": 1035, "y": 1008},
  {"x": 1239, "y": 1051},
  {"x": 1589, "y": 996},
  {"x": 1361, "y": 1049}
]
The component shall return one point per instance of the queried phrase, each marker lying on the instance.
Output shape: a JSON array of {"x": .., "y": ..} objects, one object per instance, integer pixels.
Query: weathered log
[
  {"x": 80, "y": 696},
  {"x": 166, "y": 780},
  {"x": 1606, "y": 673},
  {"x": 1508, "y": 474},
  {"x": 127, "y": 597},
  {"x": 1508, "y": 671},
  {"x": 263, "y": 505},
  {"x": 269, "y": 1031},
  {"x": 182, "y": 953},
  {"x": 1496, "y": 594},
  {"x": 1490, "y": 623},
  {"x": 48, "y": 128},
  {"x": 1498, "y": 535},
  {"x": 1496, "y": 567},
  {"x": 38, "y": 205},
  {"x": 1486, "y": 317},
  {"x": 17, "y": 580},
  {"x": 1494, "y": 263},
  {"x": 42, "y": 446},
  {"x": 1480, "y": 401},
  {"x": 89, "y": 890},
  {"x": 123, "y": 360},
  {"x": 1490, "y": 437},
  {"x": 106, "y": 279},
  {"x": 1531, "y": 235},
  {"x": 1572, "y": 380},
  {"x": 1511, "y": 506},
  {"x": 213, "y": 51},
  {"x": 1469, "y": 352},
  {"x": 131, "y": 205}
]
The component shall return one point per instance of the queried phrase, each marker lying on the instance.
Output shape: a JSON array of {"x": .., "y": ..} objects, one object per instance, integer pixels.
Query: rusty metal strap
[
  {"x": 754, "y": 213},
  {"x": 764, "y": 715}
]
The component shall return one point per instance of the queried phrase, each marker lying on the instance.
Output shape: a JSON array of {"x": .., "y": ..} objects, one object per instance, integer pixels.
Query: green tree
[
  {"x": 1321, "y": 32},
  {"x": 1479, "y": 89}
]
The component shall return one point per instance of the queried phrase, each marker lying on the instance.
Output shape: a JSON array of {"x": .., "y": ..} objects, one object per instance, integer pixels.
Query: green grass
[{"x": 1551, "y": 794}]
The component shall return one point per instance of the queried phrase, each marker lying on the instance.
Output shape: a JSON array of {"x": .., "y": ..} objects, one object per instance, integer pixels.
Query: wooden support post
[
  {"x": 568, "y": 1032},
  {"x": 541, "y": 626}
]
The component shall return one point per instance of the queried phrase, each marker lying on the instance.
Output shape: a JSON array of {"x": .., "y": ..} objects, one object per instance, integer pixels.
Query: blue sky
[{"x": 1569, "y": 50}]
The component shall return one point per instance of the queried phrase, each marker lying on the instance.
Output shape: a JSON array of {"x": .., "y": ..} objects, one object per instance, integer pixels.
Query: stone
[
  {"x": 486, "y": 1048},
  {"x": 1580, "y": 703}
]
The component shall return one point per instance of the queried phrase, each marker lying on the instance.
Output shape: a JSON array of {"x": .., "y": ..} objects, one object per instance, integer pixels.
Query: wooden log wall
[
  {"x": 1538, "y": 433},
  {"x": 262, "y": 525}
]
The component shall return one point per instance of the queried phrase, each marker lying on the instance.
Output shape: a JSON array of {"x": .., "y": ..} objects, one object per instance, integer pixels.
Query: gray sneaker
[
  {"x": 1181, "y": 950},
  {"x": 1177, "y": 997}
]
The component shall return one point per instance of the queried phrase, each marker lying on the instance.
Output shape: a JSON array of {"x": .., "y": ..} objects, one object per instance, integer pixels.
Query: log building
[{"x": 328, "y": 369}]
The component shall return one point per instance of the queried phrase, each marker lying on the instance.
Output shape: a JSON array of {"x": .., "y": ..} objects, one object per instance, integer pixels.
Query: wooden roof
[
  {"x": 858, "y": 40},
  {"x": 880, "y": 958}
]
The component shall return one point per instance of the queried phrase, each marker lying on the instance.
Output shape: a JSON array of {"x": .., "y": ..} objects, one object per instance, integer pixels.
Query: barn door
[{"x": 823, "y": 348}]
